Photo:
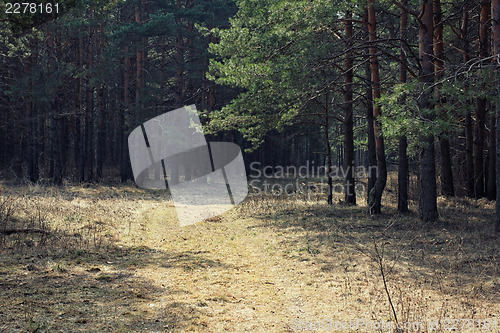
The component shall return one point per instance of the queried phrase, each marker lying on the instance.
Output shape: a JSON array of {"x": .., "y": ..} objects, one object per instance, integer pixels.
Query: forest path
[{"x": 233, "y": 274}]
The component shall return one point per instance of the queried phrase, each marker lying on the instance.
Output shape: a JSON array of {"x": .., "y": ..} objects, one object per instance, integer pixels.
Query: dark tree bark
[
  {"x": 125, "y": 159},
  {"x": 447, "y": 187},
  {"x": 139, "y": 63},
  {"x": 350, "y": 195},
  {"x": 469, "y": 158},
  {"x": 101, "y": 120},
  {"x": 55, "y": 137},
  {"x": 89, "y": 121},
  {"x": 31, "y": 115},
  {"x": 329, "y": 165},
  {"x": 491, "y": 183},
  {"x": 375, "y": 195},
  {"x": 179, "y": 59},
  {"x": 372, "y": 155},
  {"x": 495, "y": 22},
  {"x": 428, "y": 197},
  {"x": 80, "y": 142},
  {"x": 481, "y": 105},
  {"x": 403, "y": 172}
]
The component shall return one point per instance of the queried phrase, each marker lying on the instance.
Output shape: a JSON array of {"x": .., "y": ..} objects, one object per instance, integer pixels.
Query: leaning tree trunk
[
  {"x": 350, "y": 194},
  {"x": 375, "y": 195},
  {"x": 428, "y": 197}
]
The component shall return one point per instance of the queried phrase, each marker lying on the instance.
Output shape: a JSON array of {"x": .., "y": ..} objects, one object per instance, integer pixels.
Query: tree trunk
[
  {"x": 469, "y": 158},
  {"x": 179, "y": 58},
  {"x": 481, "y": 105},
  {"x": 139, "y": 65},
  {"x": 350, "y": 194},
  {"x": 89, "y": 122},
  {"x": 31, "y": 115},
  {"x": 80, "y": 144},
  {"x": 55, "y": 142},
  {"x": 403, "y": 172},
  {"x": 428, "y": 197},
  {"x": 495, "y": 22},
  {"x": 375, "y": 195},
  {"x": 491, "y": 184},
  {"x": 328, "y": 155},
  {"x": 444, "y": 144},
  {"x": 125, "y": 159},
  {"x": 101, "y": 120},
  {"x": 372, "y": 155}
]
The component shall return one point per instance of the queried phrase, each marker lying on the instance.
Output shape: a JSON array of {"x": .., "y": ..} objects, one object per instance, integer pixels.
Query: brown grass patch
[{"x": 116, "y": 261}]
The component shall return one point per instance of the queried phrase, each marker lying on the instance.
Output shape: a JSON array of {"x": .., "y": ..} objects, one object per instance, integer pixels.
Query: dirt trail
[{"x": 234, "y": 276}]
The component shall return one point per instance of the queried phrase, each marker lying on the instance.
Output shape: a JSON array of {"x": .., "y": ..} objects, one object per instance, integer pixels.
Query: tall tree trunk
[
  {"x": 350, "y": 194},
  {"x": 372, "y": 155},
  {"x": 481, "y": 105},
  {"x": 447, "y": 187},
  {"x": 403, "y": 172},
  {"x": 189, "y": 46},
  {"x": 123, "y": 125},
  {"x": 495, "y": 22},
  {"x": 55, "y": 142},
  {"x": 375, "y": 195},
  {"x": 63, "y": 119},
  {"x": 89, "y": 122},
  {"x": 139, "y": 64},
  {"x": 31, "y": 115},
  {"x": 101, "y": 120},
  {"x": 428, "y": 197},
  {"x": 179, "y": 58},
  {"x": 124, "y": 153},
  {"x": 469, "y": 157},
  {"x": 80, "y": 144}
]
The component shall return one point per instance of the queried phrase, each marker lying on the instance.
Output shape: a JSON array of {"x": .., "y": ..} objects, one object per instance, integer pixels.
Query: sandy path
[{"x": 234, "y": 275}]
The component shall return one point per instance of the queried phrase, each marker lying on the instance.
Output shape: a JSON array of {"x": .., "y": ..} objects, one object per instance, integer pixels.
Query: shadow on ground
[
  {"x": 94, "y": 292},
  {"x": 458, "y": 255}
]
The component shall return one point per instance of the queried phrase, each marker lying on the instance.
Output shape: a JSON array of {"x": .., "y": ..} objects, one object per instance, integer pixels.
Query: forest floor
[{"x": 112, "y": 259}]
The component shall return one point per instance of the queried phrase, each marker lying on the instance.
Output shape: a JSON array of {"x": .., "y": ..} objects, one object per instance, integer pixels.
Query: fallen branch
[{"x": 25, "y": 231}]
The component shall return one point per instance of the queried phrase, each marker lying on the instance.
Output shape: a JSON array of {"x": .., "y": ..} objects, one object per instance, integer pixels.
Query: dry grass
[{"x": 115, "y": 261}]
